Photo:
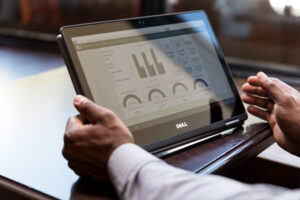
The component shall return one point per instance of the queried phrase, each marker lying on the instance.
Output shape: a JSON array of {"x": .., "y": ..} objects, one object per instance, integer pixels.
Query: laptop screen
[{"x": 168, "y": 76}]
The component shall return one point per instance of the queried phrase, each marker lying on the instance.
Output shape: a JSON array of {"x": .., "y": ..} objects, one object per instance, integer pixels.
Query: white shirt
[{"x": 136, "y": 174}]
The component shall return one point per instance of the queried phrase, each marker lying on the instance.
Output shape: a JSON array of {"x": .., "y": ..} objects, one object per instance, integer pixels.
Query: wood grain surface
[{"x": 34, "y": 113}]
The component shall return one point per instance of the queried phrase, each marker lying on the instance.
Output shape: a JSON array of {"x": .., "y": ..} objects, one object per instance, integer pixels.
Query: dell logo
[{"x": 181, "y": 125}]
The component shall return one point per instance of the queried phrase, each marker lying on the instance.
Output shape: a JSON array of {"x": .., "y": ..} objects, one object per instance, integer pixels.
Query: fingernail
[
  {"x": 263, "y": 75},
  {"x": 78, "y": 99}
]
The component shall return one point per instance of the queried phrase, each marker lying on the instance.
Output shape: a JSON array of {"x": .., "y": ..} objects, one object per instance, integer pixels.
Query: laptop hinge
[{"x": 232, "y": 123}]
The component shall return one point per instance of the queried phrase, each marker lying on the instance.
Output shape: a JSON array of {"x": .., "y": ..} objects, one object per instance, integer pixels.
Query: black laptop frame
[{"x": 144, "y": 22}]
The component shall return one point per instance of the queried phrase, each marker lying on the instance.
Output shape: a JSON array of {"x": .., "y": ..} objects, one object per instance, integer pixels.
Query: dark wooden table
[{"x": 34, "y": 113}]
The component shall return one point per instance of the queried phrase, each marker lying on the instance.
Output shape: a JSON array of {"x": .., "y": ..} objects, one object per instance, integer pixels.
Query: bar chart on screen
[{"x": 150, "y": 66}]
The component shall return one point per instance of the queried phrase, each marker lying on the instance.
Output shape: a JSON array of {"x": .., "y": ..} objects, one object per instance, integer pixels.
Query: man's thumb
[{"x": 87, "y": 109}]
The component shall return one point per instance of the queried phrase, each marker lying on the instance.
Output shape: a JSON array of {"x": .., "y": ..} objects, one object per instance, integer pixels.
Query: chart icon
[
  {"x": 140, "y": 69},
  {"x": 129, "y": 97},
  {"x": 200, "y": 82},
  {"x": 179, "y": 85},
  {"x": 153, "y": 91},
  {"x": 148, "y": 69}
]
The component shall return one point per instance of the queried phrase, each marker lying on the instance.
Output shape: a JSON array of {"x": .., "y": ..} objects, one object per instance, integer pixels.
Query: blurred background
[{"x": 254, "y": 34}]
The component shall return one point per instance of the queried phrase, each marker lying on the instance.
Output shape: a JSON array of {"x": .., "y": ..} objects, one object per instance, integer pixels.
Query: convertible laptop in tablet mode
[{"x": 165, "y": 76}]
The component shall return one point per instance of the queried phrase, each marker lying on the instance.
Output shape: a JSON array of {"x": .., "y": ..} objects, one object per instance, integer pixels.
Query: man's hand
[
  {"x": 91, "y": 137},
  {"x": 279, "y": 104}
]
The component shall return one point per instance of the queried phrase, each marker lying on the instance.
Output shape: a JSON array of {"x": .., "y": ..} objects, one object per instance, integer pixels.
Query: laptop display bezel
[{"x": 81, "y": 86}]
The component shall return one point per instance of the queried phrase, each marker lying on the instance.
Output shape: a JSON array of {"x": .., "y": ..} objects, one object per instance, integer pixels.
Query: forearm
[{"x": 151, "y": 178}]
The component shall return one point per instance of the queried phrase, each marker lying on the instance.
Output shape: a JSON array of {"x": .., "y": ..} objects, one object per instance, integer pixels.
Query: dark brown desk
[{"x": 33, "y": 116}]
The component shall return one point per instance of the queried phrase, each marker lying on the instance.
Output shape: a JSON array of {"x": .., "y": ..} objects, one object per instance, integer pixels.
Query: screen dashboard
[{"x": 157, "y": 76}]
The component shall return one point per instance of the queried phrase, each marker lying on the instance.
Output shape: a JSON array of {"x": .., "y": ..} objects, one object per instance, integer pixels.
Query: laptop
[{"x": 165, "y": 76}]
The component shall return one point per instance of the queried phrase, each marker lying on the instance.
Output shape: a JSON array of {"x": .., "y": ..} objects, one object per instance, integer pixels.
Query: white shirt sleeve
[{"x": 136, "y": 174}]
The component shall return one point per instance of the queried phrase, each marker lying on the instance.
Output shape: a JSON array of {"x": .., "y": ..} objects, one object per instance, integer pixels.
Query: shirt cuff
[{"x": 126, "y": 161}]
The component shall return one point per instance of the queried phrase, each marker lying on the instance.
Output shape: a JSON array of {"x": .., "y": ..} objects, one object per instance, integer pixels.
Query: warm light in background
[{"x": 286, "y": 7}]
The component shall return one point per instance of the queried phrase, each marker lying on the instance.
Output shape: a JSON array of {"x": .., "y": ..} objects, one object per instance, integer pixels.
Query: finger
[
  {"x": 85, "y": 169},
  {"x": 73, "y": 156},
  {"x": 263, "y": 103},
  {"x": 272, "y": 88},
  {"x": 70, "y": 155},
  {"x": 252, "y": 80},
  {"x": 74, "y": 153},
  {"x": 77, "y": 141},
  {"x": 272, "y": 121},
  {"x": 75, "y": 122},
  {"x": 259, "y": 113},
  {"x": 283, "y": 85},
  {"x": 88, "y": 109},
  {"x": 67, "y": 153},
  {"x": 76, "y": 135},
  {"x": 79, "y": 169},
  {"x": 253, "y": 90}
]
